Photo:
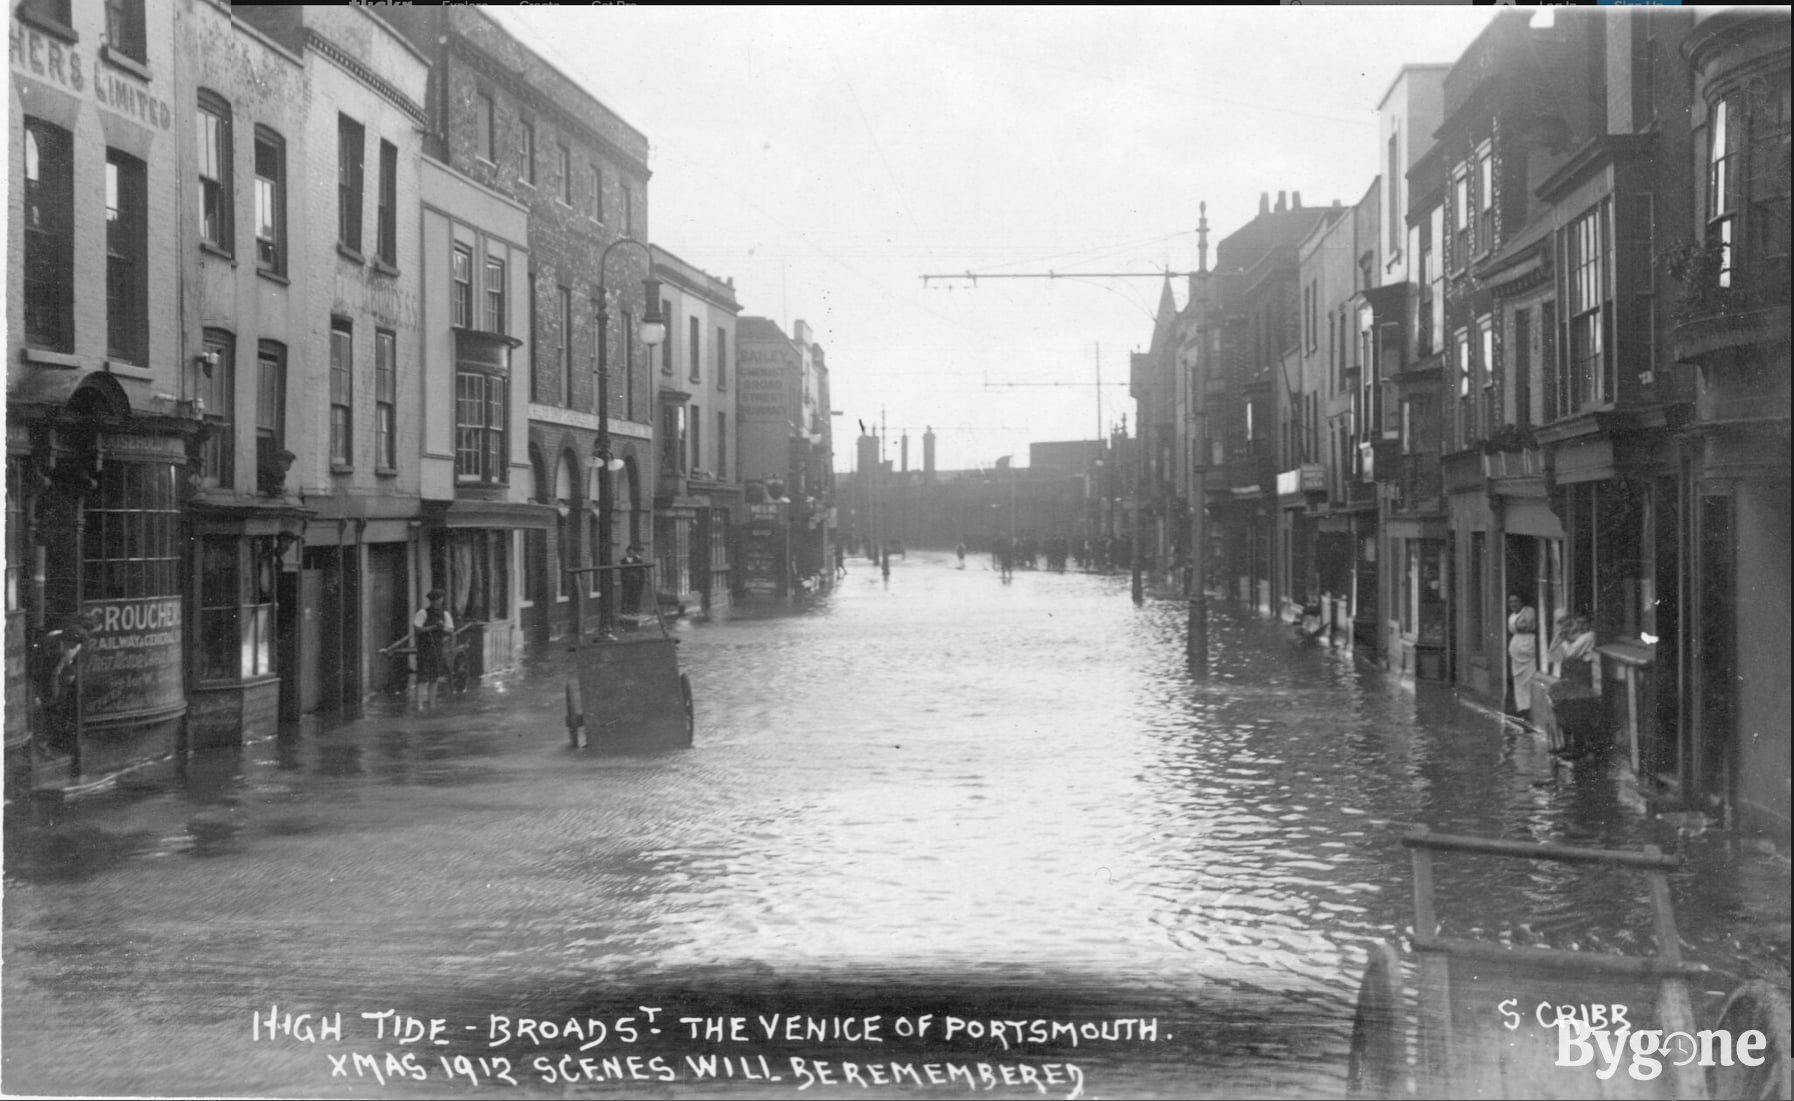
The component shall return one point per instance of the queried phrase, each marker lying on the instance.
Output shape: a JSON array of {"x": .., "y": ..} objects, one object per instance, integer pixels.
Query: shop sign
[
  {"x": 133, "y": 657},
  {"x": 47, "y": 58},
  {"x": 760, "y": 558}
]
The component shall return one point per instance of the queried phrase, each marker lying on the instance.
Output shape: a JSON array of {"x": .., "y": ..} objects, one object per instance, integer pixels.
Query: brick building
[{"x": 505, "y": 118}]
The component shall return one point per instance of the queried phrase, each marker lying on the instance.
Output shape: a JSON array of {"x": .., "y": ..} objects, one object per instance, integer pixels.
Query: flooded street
[{"x": 940, "y": 795}]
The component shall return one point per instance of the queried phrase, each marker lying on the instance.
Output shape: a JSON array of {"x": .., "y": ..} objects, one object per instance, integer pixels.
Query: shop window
[
  {"x": 270, "y": 201},
  {"x": 217, "y": 388},
  {"x": 132, "y": 534},
  {"x": 479, "y": 574},
  {"x": 1430, "y": 594},
  {"x": 236, "y": 607},
  {"x": 534, "y": 548},
  {"x": 49, "y": 237},
  {"x": 672, "y": 438},
  {"x": 127, "y": 259},
  {"x": 214, "y": 170}
]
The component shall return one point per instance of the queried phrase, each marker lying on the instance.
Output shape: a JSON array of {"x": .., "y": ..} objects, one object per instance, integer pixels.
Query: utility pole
[{"x": 1139, "y": 592}]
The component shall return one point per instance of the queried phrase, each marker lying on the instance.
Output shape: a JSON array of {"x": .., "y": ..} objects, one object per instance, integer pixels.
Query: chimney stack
[
  {"x": 1264, "y": 202},
  {"x": 1295, "y": 200},
  {"x": 1282, "y": 201}
]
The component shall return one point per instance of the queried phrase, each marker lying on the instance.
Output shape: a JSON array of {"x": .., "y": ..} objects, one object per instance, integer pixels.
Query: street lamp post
[{"x": 653, "y": 331}]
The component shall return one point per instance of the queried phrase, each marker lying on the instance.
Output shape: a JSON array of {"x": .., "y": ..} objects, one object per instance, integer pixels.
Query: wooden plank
[
  {"x": 1568, "y": 854},
  {"x": 1590, "y": 962}
]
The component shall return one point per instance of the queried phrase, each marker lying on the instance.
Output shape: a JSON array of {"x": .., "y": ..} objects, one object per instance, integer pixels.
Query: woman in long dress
[{"x": 1522, "y": 651}]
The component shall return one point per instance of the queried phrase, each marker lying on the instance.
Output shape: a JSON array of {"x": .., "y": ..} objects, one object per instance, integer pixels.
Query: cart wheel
[
  {"x": 1374, "y": 1066},
  {"x": 691, "y": 712},
  {"x": 1760, "y": 1006}
]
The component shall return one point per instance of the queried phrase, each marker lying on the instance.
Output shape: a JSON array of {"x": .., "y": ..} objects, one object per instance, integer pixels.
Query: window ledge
[
  {"x": 129, "y": 64},
  {"x": 342, "y": 468},
  {"x": 43, "y": 357},
  {"x": 386, "y": 472},
  {"x": 348, "y": 253},
  {"x": 44, "y": 23},
  {"x": 219, "y": 251},
  {"x": 381, "y": 267},
  {"x": 274, "y": 276},
  {"x": 127, "y": 370}
]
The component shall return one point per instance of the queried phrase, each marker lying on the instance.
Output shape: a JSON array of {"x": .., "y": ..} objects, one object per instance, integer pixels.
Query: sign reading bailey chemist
[{"x": 133, "y": 657}]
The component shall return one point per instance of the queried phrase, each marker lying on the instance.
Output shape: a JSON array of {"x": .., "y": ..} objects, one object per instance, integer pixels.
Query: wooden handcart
[
  {"x": 1487, "y": 1022},
  {"x": 628, "y": 694}
]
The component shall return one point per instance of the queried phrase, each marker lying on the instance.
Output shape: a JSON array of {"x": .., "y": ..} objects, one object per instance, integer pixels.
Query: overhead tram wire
[{"x": 545, "y": 43}]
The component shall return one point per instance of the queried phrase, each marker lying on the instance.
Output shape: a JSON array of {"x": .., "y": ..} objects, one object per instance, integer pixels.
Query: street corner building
[
  {"x": 307, "y": 316},
  {"x": 1544, "y": 355}
]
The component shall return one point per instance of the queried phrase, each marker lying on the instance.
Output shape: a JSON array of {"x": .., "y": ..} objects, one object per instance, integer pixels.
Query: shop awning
[{"x": 524, "y": 515}]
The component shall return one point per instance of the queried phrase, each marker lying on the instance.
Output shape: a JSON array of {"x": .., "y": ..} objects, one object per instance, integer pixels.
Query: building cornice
[{"x": 353, "y": 65}]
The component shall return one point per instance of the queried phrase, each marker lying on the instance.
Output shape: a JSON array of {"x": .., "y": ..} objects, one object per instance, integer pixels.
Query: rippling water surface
[{"x": 942, "y": 795}]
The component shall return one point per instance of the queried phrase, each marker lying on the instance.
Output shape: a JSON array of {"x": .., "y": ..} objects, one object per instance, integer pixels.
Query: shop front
[
  {"x": 473, "y": 546},
  {"x": 97, "y": 610}
]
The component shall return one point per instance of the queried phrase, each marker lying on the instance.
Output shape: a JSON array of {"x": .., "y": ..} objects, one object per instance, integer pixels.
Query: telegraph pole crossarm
[{"x": 973, "y": 277}]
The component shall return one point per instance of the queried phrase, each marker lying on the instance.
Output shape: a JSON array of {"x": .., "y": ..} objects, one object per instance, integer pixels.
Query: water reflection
[{"x": 946, "y": 794}]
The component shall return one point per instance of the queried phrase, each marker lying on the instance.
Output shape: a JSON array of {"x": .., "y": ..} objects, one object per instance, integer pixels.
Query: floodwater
[{"x": 922, "y": 804}]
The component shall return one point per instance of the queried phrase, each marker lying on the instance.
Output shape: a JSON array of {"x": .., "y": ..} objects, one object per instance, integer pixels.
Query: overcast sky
[{"x": 827, "y": 159}]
